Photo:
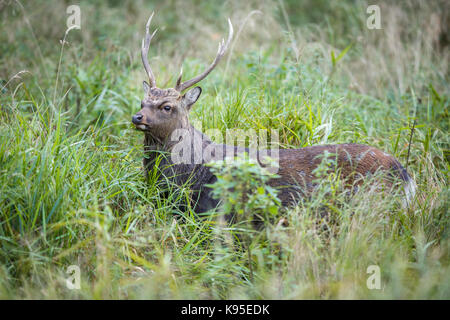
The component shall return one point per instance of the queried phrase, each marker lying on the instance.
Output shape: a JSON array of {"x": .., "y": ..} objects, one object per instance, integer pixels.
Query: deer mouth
[{"x": 142, "y": 127}]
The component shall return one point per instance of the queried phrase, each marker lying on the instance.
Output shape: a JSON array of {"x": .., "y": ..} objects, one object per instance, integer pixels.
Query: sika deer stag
[{"x": 165, "y": 112}]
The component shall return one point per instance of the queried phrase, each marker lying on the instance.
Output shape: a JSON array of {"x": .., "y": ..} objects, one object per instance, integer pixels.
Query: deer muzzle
[{"x": 137, "y": 119}]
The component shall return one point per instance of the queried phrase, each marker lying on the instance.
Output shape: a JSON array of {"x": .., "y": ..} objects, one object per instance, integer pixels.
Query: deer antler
[
  {"x": 144, "y": 52},
  {"x": 220, "y": 53}
]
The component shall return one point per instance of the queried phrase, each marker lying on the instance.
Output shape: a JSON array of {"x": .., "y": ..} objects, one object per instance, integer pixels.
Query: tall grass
[{"x": 72, "y": 187}]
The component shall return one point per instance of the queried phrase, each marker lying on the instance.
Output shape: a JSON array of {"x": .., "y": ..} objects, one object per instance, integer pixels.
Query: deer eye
[{"x": 167, "y": 108}]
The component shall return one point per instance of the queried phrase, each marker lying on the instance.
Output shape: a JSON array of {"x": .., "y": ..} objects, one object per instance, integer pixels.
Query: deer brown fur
[{"x": 163, "y": 111}]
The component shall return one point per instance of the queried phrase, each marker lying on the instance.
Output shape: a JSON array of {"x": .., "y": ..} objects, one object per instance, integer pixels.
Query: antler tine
[
  {"x": 220, "y": 53},
  {"x": 179, "y": 78},
  {"x": 144, "y": 52}
]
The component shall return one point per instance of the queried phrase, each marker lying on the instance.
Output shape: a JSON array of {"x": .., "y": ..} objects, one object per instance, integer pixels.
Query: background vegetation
[{"x": 72, "y": 188}]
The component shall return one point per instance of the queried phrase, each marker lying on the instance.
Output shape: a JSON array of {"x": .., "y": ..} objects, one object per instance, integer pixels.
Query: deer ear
[
  {"x": 146, "y": 87},
  {"x": 191, "y": 96}
]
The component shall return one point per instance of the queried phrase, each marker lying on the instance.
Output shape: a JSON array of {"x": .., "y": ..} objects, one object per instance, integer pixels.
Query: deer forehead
[
  {"x": 155, "y": 95},
  {"x": 157, "y": 92}
]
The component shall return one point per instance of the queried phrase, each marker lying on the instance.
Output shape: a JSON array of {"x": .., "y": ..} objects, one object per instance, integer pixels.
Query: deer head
[{"x": 165, "y": 110}]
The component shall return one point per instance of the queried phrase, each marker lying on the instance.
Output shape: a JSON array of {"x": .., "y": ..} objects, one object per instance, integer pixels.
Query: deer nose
[{"x": 137, "y": 118}]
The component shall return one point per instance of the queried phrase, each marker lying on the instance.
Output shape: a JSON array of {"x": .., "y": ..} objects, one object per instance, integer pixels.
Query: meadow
[{"x": 72, "y": 187}]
